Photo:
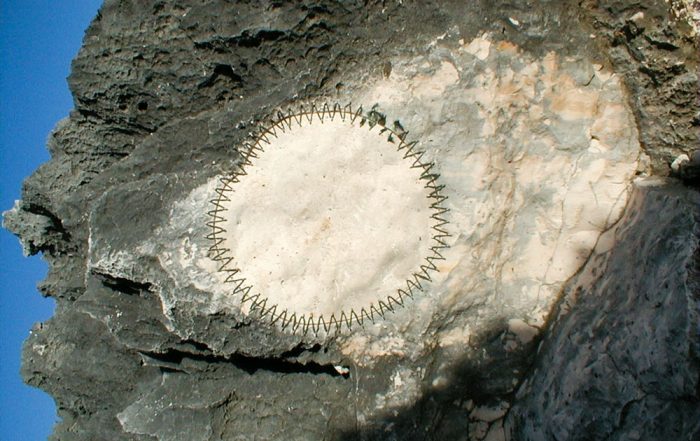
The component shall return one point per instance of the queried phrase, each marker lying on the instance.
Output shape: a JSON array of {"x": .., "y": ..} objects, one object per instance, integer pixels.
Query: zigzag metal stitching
[{"x": 305, "y": 323}]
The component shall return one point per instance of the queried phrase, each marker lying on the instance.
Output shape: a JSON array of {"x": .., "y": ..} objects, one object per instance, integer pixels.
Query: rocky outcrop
[
  {"x": 620, "y": 360},
  {"x": 566, "y": 303}
]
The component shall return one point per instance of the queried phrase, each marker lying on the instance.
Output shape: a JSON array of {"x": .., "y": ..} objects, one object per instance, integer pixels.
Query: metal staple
[{"x": 308, "y": 322}]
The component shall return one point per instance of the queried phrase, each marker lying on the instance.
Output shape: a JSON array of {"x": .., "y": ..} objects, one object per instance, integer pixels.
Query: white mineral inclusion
[{"x": 329, "y": 218}]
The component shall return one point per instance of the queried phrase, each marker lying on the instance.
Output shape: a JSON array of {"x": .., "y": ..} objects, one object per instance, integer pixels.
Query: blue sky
[{"x": 38, "y": 40}]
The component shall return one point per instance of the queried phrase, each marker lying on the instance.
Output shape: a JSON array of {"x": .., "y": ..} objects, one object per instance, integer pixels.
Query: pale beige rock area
[{"x": 536, "y": 159}]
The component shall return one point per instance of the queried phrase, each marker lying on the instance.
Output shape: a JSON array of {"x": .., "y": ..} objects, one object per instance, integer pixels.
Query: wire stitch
[{"x": 305, "y": 323}]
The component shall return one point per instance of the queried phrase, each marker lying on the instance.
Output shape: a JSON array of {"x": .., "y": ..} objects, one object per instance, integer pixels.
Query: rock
[
  {"x": 688, "y": 168},
  {"x": 620, "y": 360},
  {"x": 679, "y": 162},
  {"x": 489, "y": 414},
  {"x": 530, "y": 121},
  {"x": 496, "y": 432}
]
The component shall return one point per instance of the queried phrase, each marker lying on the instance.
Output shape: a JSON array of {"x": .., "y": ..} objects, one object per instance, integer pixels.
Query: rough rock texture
[
  {"x": 621, "y": 359},
  {"x": 538, "y": 116}
]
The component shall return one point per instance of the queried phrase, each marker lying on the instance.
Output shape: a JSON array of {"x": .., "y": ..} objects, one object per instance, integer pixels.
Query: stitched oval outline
[{"x": 260, "y": 305}]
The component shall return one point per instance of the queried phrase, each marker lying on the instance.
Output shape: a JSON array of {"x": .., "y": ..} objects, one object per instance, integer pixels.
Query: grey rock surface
[
  {"x": 164, "y": 93},
  {"x": 620, "y": 360}
]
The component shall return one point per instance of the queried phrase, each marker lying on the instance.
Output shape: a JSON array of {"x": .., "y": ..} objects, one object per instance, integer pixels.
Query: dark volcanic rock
[{"x": 537, "y": 114}]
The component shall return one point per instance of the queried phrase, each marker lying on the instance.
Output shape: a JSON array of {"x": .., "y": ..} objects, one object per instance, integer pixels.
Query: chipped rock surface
[{"x": 537, "y": 120}]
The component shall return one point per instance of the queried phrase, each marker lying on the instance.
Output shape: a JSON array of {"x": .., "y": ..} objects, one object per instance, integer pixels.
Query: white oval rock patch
[{"x": 332, "y": 220}]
